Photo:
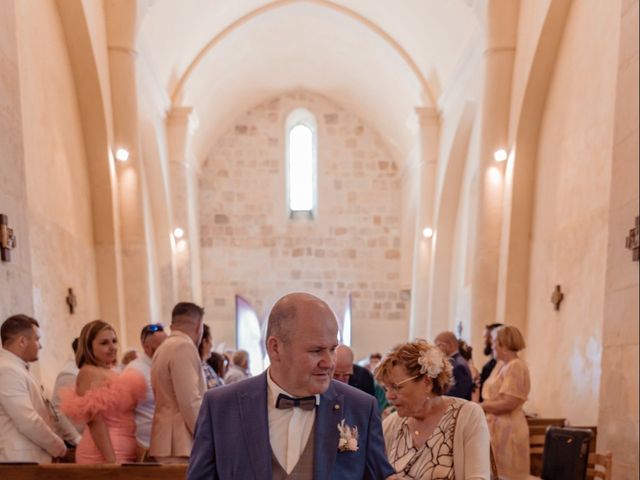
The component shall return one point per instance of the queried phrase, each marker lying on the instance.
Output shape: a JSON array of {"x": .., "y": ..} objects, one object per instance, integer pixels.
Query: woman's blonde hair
[
  {"x": 408, "y": 355},
  {"x": 510, "y": 338},
  {"x": 85, "y": 354}
]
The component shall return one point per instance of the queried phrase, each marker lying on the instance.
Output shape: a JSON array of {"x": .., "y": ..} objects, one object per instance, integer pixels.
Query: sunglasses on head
[{"x": 151, "y": 329}]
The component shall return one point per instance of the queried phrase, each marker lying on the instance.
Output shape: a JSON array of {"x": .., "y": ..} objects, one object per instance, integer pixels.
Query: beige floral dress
[
  {"x": 509, "y": 431},
  {"x": 431, "y": 461}
]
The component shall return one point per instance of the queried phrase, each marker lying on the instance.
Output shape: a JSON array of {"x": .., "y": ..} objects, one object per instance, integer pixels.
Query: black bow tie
[{"x": 305, "y": 403}]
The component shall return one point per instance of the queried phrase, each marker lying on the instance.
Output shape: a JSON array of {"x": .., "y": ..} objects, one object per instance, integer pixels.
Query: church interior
[{"x": 472, "y": 162}]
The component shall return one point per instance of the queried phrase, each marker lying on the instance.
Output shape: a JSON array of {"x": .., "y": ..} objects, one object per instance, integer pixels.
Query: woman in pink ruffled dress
[{"x": 103, "y": 399}]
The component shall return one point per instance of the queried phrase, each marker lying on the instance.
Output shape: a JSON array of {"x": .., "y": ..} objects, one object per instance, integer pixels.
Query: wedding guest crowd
[{"x": 181, "y": 402}]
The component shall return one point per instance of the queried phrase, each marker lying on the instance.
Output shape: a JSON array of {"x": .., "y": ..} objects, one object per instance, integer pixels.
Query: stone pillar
[
  {"x": 618, "y": 419},
  {"x": 429, "y": 134},
  {"x": 501, "y": 37},
  {"x": 121, "y": 19},
  {"x": 181, "y": 124}
]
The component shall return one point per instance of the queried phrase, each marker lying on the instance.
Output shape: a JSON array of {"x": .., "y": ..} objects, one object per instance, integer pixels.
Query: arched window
[{"x": 301, "y": 155}]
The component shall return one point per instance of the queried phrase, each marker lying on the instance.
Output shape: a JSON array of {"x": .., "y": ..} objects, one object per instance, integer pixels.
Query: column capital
[
  {"x": 183, "y": 115},
  {"x": 427, "y": 116},
  {"x": 502, "y": 25}
]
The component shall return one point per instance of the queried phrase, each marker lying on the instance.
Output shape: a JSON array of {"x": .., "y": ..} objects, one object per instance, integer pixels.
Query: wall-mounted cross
[
  {"x": 7, "y": 239},
  {"x": 632, "y": 242},
  {"x": 557, "y": 297},
  {"x": 72, "y": 302}
]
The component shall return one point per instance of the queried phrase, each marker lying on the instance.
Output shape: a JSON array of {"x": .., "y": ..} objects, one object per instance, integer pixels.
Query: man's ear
[
  {"x": 273, "y": 348},
  {"x": 22, "y": 340}
]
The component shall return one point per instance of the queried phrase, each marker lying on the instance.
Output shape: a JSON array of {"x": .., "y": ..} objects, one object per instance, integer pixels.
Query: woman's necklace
[{"x": 416, "y": 428}]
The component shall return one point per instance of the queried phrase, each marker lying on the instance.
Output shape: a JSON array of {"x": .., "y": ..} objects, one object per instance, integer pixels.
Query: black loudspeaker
[{"x": 565, "y": 454}]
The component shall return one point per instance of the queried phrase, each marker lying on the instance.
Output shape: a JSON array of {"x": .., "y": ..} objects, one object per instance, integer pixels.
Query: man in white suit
[
  {"x": 178, "y": 386},
  {"x": 26, "y": 417}
]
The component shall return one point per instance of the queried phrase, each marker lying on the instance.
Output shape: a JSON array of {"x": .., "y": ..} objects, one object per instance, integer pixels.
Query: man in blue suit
[
  {"x": 463, "y": 386},
  {"x": 293, "y": 421}
]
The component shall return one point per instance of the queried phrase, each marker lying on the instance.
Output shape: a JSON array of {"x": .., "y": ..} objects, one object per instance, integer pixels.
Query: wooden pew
[{"x": 65, "y": 471}]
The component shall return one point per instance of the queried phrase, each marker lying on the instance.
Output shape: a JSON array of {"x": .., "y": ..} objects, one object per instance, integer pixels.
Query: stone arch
[
  {"x": 447, "y": 213},
  {"x": 513, "y": 295},
  {"x": 178, "y": 90},
  {"x": 97, "y": 132}
]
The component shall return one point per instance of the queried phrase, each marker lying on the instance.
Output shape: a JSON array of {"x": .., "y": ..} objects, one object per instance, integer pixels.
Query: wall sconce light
[
  {"x": 427, "y": 232},
  {"x": 122, "y": 155},
  {"x": 178, "y": 233},
  {"x": 500, "y": 155}
]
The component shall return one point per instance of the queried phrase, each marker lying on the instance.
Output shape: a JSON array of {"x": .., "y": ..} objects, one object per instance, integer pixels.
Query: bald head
[
  {"x": 447, "y": 342},
  {"x": 288, "y": 310},
  {"x": 344, "y": 364},
  {"x": 302, "y": 336}
]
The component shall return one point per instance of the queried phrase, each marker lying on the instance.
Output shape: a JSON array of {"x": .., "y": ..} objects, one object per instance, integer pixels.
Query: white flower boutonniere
[{"x": 348, "y": 438}]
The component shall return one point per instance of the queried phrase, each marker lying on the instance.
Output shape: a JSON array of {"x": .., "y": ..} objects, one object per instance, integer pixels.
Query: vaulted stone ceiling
[{"x": 378, "y": 58}]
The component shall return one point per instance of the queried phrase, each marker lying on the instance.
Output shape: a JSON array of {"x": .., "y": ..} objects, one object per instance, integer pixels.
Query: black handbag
[{"x": 565, "y": 454}]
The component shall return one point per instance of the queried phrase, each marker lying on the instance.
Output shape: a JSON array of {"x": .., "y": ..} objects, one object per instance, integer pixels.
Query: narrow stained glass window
[
  {"x": 300, "y": 168},
  {"x": 301, "y": 161}
]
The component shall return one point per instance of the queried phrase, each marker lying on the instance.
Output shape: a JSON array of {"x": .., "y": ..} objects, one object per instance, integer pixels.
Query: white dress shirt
[
  {"x": 289, "y": 429},
  {"x": 67, "y": 429},
  {"x": 144, "y": 410}
]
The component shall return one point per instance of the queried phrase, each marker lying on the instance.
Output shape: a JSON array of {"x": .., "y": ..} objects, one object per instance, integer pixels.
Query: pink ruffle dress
[{"x": 114, "y": 400}]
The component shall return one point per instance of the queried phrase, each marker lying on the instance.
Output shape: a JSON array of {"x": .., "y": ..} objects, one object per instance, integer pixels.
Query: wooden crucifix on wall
[
  {"x": 632, "y": 242},
  {"x": 7, "y": 239},
  {"x": 557, "y": 297},
  {"x": 72, "y": 301}
]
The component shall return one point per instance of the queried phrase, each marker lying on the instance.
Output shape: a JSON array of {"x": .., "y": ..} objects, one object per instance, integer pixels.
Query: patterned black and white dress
[{"x": 431, "y": 461}]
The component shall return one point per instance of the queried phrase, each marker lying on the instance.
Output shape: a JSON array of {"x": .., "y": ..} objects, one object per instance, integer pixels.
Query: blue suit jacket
[
  {"x": 462, "y": 375},
  {"x": 232, "y": 435}
]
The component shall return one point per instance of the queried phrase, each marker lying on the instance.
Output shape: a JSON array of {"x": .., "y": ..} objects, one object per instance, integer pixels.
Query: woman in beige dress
[{"x": 504, "y": 393}]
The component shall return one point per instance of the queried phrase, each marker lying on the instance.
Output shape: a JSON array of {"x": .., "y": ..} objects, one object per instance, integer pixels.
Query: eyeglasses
[
  {"x": 395, "y": 387},
  {"x": 151, "y": 329}
]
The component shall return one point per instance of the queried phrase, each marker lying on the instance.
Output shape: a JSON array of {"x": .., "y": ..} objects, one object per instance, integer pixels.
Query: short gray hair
[{"x": 281, "y": 318}]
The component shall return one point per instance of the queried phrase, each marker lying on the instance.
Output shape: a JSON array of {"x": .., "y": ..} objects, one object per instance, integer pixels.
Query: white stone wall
[
  {"x": 250, "y": 247},
  {"x": 569, "y": 231},
  {"x": 58, "y": 197},
  {"x": 618, "y": 413},
  {"x": 15, "y": 276}
]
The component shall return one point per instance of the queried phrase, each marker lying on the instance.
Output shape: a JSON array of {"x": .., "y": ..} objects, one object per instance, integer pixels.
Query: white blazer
[{"x": 26, "y": 426}]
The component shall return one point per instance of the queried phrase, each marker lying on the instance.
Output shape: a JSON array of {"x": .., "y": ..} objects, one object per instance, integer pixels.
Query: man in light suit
[
  {"x": 178, "y": 386},
  {"x": 292, "y": 421},
  {"x": 463, "y": 386},
  {"x": 26, "y": 417}
]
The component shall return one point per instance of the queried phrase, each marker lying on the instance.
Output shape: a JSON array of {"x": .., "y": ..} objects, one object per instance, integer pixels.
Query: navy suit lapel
[
  {"x": 254, "y": 420},
  {"x": 330, "y": 413}
]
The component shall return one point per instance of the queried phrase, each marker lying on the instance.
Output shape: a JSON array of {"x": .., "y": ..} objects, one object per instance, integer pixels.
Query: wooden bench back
[
  {"x": 600, "y": 466},
  {"x": 66, "y": 471},
  {"x": 537, "y": 430}
]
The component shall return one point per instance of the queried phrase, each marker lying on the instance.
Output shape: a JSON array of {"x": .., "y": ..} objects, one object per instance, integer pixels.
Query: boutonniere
[{"x": 348, "y": 438}]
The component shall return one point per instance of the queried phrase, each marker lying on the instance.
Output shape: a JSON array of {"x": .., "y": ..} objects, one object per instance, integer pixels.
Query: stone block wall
[{"x": 251, "y": 247}]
